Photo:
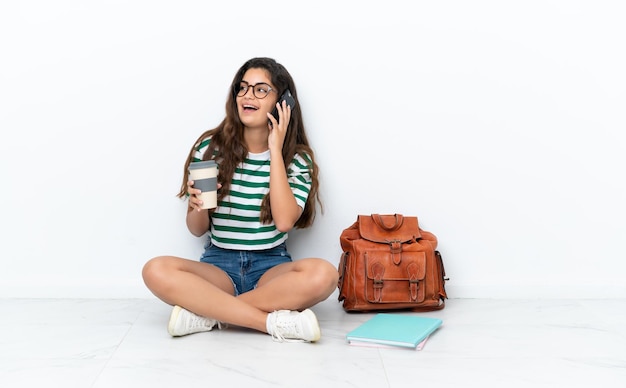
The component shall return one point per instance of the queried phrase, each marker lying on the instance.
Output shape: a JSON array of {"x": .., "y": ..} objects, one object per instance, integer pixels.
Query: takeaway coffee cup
[{"x": 204, "y": 177}]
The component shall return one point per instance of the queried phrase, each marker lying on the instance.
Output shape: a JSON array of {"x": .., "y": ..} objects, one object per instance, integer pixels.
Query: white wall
[{"x": 499, "y": 124}]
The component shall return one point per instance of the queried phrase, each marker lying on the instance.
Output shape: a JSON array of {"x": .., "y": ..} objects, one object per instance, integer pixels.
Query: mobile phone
[{"x": 290, "y": 102}]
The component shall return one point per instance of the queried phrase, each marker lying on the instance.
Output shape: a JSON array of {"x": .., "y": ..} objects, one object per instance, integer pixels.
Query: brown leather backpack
[{"x": 389, "y": 263}]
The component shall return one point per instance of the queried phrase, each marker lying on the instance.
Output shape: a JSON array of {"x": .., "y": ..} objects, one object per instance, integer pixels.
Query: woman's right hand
[
  {"x": 194, "y": 200},
  {"x": 197, "y": 221}
]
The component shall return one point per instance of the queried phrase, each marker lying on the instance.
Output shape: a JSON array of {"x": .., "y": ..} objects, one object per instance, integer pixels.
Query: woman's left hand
[{"x": 278, "y": 129}]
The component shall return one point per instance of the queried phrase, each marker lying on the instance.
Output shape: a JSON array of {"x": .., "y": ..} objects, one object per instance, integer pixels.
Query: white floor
[{"x": 482, "y": 343}]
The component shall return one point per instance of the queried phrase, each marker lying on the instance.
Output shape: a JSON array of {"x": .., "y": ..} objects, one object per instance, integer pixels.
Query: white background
[{"x": 499, "y": 124}]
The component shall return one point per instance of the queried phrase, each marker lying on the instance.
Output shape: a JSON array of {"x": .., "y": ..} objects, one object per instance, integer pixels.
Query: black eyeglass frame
[{"x": 241, "y": 91}]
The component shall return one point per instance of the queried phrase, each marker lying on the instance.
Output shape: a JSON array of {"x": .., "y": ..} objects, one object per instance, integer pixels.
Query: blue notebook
[{"x": 394, "y": 330}]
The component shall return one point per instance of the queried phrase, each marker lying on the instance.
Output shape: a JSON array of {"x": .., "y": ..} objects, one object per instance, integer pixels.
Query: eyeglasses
[{"x": 260, "y": 90}]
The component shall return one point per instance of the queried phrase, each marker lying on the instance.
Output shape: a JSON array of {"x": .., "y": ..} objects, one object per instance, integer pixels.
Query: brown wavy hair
[{"x": 229, "y": 148}]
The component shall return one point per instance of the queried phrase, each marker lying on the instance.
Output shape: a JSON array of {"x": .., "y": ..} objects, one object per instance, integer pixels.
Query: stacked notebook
[{"x": 394, "y": 330}]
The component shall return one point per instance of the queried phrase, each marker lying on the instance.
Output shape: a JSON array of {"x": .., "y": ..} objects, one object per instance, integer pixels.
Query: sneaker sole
[
  {"x": 316, "y": 329},
  {"x": 172, "y": 322}
]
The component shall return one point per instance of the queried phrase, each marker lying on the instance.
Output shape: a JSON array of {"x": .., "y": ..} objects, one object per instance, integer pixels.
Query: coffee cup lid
[{"x": 202, "y": 164}]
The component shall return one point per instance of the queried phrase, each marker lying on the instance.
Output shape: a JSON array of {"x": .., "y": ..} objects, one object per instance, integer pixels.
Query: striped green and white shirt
[{"x": 235, "y": 223}]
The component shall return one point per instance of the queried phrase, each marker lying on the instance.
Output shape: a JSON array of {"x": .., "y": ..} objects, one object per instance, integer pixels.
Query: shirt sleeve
[
  {"x": 299, "y": 178},
  {"x": 199, "y": 149}
]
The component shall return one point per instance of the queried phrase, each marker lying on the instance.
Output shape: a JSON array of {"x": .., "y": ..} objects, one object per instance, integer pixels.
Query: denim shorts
[{"x": 245, "y": 268}]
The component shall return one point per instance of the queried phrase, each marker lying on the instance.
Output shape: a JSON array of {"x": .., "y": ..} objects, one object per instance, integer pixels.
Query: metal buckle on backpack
[{"x": 395, "y": 245}]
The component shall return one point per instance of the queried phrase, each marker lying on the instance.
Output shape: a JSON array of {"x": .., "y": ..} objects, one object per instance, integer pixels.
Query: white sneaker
[
  {"x": 293, "y": 326},
  {"x": 183, "y": 322}
]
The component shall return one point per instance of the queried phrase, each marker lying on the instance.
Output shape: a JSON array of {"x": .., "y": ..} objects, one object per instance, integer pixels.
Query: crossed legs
[{"x": 206, "y": 290}]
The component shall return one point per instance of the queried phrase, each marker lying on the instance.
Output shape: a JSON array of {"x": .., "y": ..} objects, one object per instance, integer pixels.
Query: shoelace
[
  {"x": 284, "y": 329},
  {"x": 197, "y": 322}
]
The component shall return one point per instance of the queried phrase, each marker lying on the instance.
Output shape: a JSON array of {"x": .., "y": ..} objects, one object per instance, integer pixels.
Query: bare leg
[
  {"x": 293, "y": 286},
  {"x": 208, "y": 291},
  {"x": 202, "y": 289}
]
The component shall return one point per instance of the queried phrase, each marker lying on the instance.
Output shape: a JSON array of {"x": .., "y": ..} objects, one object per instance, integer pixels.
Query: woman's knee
[
  {"x": 324, "y": 275},
  {"x": 155, "y": 270}
]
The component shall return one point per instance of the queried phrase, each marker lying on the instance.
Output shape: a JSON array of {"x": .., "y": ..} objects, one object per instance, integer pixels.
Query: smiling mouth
[{"x": 249, "y": 108}]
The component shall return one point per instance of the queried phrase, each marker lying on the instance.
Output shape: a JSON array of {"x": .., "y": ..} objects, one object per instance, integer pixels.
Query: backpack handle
[{"x": 397, "y": 221}]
